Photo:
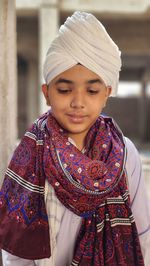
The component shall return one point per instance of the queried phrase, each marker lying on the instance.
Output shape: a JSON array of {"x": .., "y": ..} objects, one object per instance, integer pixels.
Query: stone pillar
[
  {"x": 48, "y": 29},
  {"x": 32, "y": 92},
  {"x": 143, "y": 119},
  {"x": 8, "y": 90}
]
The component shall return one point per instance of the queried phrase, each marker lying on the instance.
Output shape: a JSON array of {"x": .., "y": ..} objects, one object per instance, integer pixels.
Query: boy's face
[{"x": 77, "y": 97}]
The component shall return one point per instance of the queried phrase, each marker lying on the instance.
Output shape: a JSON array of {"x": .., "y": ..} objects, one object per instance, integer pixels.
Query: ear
[
  {"x": 108, "y": 92},
  {"x": 45, "y": 92}
]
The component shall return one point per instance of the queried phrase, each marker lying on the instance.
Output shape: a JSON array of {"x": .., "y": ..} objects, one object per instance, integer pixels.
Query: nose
[{"x": 77, "y": 100}]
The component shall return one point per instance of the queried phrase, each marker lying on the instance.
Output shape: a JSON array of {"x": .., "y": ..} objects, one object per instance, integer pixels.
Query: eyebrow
[
  {"x": 62, "y": 80},
  {"x": 91, "y": 81},
  {"x": 94, "y": 81}
]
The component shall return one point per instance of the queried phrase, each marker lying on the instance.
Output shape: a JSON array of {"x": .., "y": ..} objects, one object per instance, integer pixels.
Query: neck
[{"x": 79, "y": 140}]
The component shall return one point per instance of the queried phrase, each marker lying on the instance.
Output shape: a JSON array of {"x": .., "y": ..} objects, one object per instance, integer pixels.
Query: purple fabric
[{"x": 92, "y": 185}]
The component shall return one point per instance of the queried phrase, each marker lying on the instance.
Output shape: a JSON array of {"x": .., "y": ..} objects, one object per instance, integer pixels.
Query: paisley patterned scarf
[{"x": 92, "y": 185}]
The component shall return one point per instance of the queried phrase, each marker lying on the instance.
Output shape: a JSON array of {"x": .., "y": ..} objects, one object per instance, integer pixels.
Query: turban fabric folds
[{"x": 83, "y": 39}]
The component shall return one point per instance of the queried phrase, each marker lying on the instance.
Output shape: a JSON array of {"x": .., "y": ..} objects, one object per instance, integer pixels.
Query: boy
[{"x": 65, "y": 198}]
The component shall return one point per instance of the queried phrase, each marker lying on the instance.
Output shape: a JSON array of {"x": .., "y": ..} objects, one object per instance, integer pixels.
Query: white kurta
[{"x": 64, "y": 225}]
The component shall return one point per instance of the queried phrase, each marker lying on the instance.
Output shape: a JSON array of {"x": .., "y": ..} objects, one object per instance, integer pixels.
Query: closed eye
[
  {"x": 63, "y": 90},
  {"x": 93, "y": 91}
]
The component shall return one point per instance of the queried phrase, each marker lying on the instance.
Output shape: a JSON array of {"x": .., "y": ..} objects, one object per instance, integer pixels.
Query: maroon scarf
[{"x": 92, "y": 185}]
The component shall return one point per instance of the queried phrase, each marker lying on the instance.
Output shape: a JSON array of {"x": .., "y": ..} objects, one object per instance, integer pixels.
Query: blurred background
[{"x": 27, "y": 29}]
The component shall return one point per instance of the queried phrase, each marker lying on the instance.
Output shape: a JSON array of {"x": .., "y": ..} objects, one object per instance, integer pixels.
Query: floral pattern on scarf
[{"x": 92, "y": 185}]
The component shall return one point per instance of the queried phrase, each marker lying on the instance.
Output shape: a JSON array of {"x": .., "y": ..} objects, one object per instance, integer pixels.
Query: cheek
[
  {"x": 57, "y": 105},
  {"x": 97, "y": 105}
]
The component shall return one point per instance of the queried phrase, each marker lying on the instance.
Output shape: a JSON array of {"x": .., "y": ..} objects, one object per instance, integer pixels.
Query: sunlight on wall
[
  {"x": 129, "y": 89},
  {"x": 148, "y": 90}
]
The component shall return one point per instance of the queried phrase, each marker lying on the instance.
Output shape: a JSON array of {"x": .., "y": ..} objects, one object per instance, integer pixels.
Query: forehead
[{"x": 77, "y": 74}]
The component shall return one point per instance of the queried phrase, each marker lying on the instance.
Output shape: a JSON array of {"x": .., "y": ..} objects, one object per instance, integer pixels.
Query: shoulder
[
  {"x": 130, "y": 145},
  {"x": 41, "y": 120},
  {"x": 37, "y": 127},
  {"x": 133, "y": 166},
  {"x": 132, "y": 154}
]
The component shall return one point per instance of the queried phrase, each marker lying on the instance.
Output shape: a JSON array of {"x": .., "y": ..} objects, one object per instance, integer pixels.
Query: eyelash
[
  {"x": 93, "y": 91},
  {"x": 66, "y": 91},
  {"x": 63, "y": 91}
]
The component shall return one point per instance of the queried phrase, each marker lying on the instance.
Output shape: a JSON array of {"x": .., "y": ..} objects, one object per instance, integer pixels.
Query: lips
[{"x": 75, "y": 118}]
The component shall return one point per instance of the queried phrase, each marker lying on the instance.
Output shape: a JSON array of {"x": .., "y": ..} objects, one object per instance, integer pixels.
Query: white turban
[{"x": 83, "y": 39}]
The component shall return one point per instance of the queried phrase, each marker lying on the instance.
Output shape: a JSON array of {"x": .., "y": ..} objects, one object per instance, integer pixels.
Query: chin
[{"x": 77, "y": 131}]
